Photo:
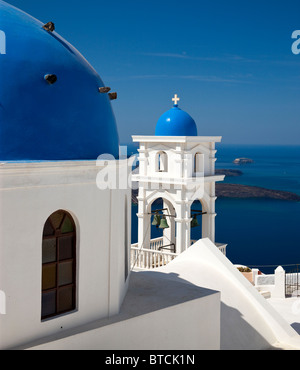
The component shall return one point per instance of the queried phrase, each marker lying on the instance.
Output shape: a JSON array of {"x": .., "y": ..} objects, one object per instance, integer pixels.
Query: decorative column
[
  {"x": 183, "y": 227},
  {"x": 208, "y": 219},
  {"x": 169, "y": 234},
  {"x": 144, "y": 220},
  {"x": 143, "y": 154},
  {"x": 208, "y": 226}
]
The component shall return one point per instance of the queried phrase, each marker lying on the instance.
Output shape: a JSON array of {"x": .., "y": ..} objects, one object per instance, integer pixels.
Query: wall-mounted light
[{"x": 104, "y": 90}]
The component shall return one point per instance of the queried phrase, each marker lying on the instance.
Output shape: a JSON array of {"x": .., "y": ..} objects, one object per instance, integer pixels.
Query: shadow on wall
[
  {"x": 151, "y": 291},
  {"x": 154, "y": 291},
  {"x": 233, "y": 325}
]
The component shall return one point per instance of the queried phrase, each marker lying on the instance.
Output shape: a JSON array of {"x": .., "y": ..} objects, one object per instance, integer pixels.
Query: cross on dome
[
  {"x": 175, "y": 122},
  {"x": 176, "y": 100}
]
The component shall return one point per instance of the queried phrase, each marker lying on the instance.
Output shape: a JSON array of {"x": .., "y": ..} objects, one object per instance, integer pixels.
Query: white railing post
[{"x": 279, "y": 289}]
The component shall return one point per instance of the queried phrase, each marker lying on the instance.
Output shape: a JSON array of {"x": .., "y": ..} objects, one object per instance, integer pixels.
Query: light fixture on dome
[
  {"x": 50, "y": 27},
  {"x": 113, "y": 96},
  {"x": 104, "y": 90},
  {"x": 50, "y": 78}
]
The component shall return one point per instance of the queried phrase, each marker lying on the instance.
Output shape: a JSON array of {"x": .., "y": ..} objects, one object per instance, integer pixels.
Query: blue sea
[{"x": 260, "y": 233}]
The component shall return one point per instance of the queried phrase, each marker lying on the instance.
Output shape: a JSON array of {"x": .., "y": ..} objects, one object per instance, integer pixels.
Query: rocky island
[
  {"x": 224, "y": 190},
  {"x": 228, "y": 173},
  {"x": 245, "y": 191}
]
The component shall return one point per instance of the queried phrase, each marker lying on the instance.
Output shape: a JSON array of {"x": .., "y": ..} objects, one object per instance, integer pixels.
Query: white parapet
[{"x": 248, "y": 321}]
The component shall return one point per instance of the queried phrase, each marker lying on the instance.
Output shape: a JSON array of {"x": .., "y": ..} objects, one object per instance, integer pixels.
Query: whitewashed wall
[
  {"x": 248, "y": 321},
  {"x": 160, "y": 312},
  {"x": 29, "y": 194}
]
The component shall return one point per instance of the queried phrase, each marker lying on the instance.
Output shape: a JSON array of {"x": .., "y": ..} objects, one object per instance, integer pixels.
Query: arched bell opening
[
  {"x": 198, "y": 214},
  {"x": 163, "y": 225}
]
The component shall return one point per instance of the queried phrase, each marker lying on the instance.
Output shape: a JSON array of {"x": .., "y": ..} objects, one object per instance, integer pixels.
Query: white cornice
[{"x": 176, "y": 139}]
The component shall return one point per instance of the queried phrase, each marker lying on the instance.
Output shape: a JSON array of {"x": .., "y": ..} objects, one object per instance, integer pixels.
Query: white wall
[
  {"x": 180, "y": 158},
  {"x": 29, "y": 194},
  {"x": 248, "y": 321},
  {"x": 158, "y": 313}
]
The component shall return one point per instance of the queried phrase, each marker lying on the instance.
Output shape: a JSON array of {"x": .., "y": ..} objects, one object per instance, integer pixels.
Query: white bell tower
[{"x": 178, "y": 166}]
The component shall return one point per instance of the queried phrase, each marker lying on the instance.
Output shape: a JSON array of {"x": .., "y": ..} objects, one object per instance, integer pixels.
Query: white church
[{"x": 70, "y": 278}]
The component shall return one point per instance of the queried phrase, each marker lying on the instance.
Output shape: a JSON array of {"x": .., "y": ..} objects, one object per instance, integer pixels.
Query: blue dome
[
  {"x": 41, "y": 120},
  {"x": 176, "y": 122}
]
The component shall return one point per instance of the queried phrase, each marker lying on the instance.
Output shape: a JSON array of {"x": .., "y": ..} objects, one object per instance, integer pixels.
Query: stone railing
[
  {"x": 221, "y": 247},
  {"x": 143, "y": 258},
  {"x": 156, "y": 243}
]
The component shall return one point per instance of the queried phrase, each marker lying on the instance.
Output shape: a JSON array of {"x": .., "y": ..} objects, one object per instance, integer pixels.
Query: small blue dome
[
  {"x": 176, "y": 122},
  {"x": 50, "y": 104}
]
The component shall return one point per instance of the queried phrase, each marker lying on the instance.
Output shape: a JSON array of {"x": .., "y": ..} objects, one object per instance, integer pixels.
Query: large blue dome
[
  {"x": 176, "y": 122},
  {"x": 66, "y": 120}
]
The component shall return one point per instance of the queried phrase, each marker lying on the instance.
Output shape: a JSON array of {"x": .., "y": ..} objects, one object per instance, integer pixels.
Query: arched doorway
[{"x": 58, "y": 265}]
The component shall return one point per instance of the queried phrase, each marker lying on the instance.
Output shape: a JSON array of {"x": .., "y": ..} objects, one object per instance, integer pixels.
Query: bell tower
[{"x": 177, "y": 166}]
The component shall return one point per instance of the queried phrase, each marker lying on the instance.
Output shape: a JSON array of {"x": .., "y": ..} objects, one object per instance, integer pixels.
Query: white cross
[{"x": 175, "y": 99}]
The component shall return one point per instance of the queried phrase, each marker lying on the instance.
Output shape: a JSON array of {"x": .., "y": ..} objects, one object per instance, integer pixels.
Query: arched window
[
  {"x": 161, "y": 162},
  {"x": 58, "y": 265}
]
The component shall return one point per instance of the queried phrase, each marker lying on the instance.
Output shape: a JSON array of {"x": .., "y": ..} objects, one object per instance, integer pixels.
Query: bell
[
  {"x": 156, "y": 220},
  {"x": 194, "y": 222},
  {"x": 163, "y": 223}
]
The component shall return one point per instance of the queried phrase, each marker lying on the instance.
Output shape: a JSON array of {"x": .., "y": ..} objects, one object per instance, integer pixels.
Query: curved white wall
[{"x": 248, "y": 321}]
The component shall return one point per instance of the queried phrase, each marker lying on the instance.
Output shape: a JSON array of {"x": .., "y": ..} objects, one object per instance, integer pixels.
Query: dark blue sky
[{"x": 229, "y": 61}]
